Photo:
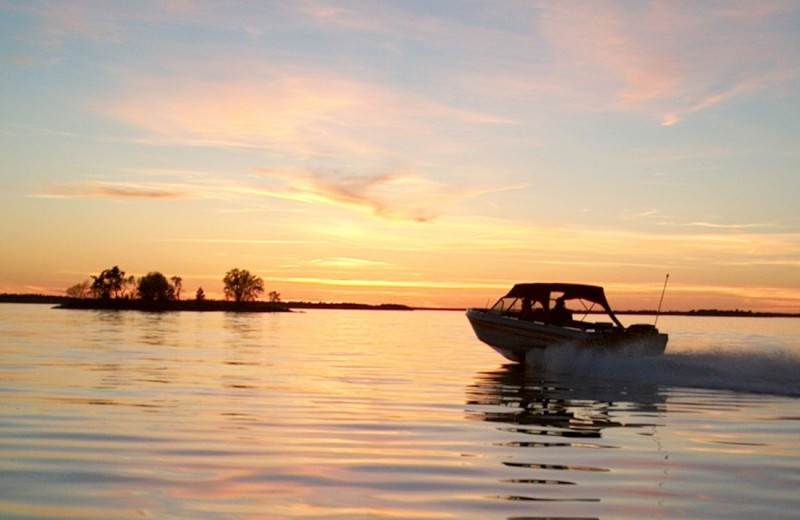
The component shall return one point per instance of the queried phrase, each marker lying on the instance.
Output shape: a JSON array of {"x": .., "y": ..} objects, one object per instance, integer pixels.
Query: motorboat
[{"x": 534, "y": 317}]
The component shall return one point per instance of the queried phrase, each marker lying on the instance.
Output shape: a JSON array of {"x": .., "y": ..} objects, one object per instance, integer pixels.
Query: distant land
[
  {"x": 258, "y": 306},
  {"x": 64, "y": 302}
]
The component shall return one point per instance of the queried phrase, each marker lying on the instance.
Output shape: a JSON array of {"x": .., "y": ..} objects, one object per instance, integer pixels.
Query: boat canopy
[{"x": 540, "y": 292}]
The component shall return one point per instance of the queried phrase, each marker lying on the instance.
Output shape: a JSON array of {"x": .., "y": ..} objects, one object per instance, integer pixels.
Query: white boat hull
[{"x": 515, "y": 338}]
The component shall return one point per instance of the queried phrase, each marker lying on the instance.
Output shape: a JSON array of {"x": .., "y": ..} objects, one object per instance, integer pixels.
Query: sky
[{"x": 413, "y": 152}]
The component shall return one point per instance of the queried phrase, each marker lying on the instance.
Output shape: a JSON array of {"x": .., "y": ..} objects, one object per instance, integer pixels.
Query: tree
[
  {"x": 79, "y": 290},
  {"x": 200, "y": 295},
  {"x": 109, "y": 282},
  {"x": 274, "y": 297},
  {"x": 154, "y": 287},
  {"x": 177, "y": 283},
  {"x": 129, "y": 287},
  {"x": 241, "y": 286}
]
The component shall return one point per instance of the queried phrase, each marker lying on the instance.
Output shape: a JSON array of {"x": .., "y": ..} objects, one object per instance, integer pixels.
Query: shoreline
[
  {"x": 171, "y": 306},
  {"x": 63, "y": 302}
]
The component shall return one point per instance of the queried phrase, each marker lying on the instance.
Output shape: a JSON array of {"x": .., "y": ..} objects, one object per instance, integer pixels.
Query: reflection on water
[
  {"x": 552, "y": 426},
  {"x": 365, "y": 415},
  {"x": 605, "y": 441},
  {"x": 529, "y": 396}
]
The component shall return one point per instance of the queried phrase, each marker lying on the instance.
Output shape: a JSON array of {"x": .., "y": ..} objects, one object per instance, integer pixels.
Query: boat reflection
[
  {"x": 523, "y": 395},
  {"x": 552, "y": 438}
]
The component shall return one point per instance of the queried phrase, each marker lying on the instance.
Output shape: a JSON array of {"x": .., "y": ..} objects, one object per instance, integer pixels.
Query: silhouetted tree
[
  {"x": 129, "y": 287},
  {"x": 200, "y": 295},
  {"x": 177, "y": 284},
  {"x": 241, "y": 286},
  {"x": 79, "y": 290},
  {"x": 274, "y": 297},
  {"x": 154, "y": 287},
  {"x": 109, "y": 282}
]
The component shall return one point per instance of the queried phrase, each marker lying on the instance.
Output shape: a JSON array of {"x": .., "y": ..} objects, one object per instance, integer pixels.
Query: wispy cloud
[
  {"x": 714, "y": 225},
  {"x": 636, "y": 214},
  {"x": 114, "y": 191},
  {"x": 344, "y": 262},
  {"x": 297, "y": 114},
  {"x": 664, "y": 60},
  {"x": 598, "y": 245},
  {"x": 241, "y": 241},
  {"x": 406, "y": 284},
  {"x": 394, "y": 196},
  {"x": 143, "y": 183}
]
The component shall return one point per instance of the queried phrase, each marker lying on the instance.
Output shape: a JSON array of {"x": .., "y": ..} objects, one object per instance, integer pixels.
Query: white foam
[{"x": 742, "y": 371}]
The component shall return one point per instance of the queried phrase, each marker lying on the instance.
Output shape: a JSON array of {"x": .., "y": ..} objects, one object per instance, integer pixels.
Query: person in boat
[
  {"x": 527, "y": 310},
  {"x": 529, "y": 313},
  {"x": 560, "y": 315}
]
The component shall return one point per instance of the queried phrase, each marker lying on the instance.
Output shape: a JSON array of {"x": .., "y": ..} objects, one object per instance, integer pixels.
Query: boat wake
[{"x": 776, "y": 373}]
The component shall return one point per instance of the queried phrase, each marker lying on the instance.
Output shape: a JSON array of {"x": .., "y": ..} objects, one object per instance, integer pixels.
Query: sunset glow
[{"x": 400, "y": 152}]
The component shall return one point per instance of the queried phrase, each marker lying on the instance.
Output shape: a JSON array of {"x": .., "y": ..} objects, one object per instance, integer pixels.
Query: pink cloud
[
  {"x": 302, "y": 115},
  {"x": 665, "y": 59}
]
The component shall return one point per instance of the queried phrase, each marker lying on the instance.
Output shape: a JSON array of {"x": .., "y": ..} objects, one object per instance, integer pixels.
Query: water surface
[{"x": 383, "y": 414}]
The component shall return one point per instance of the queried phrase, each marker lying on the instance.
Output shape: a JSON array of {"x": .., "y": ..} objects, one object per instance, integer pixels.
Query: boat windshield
[{"x": 561, "y": 304}]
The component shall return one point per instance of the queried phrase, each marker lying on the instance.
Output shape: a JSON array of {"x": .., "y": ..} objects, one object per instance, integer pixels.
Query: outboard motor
[{"x": 642, "y": 329}]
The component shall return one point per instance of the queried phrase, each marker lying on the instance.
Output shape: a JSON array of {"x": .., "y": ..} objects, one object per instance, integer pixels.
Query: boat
[{"x": 534, "y": 317}]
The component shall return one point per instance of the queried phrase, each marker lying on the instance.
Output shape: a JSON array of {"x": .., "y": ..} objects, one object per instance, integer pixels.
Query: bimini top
[{"x": 540, "y": 292}]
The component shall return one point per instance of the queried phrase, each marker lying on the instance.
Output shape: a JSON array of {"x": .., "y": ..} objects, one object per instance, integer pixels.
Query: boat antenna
[{"x": 661, "y": 300}]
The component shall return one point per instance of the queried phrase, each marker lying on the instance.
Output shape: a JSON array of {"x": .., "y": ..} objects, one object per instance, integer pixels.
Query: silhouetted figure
[
  {"x": 527, "y": 310},
  {"x": 560, "y": 315}
]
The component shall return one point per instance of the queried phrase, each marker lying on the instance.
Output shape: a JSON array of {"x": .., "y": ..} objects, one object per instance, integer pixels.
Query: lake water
[{"x": 387, "y": 415}]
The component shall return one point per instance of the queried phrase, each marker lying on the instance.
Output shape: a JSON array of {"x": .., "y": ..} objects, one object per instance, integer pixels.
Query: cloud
[
  {"x": 393, "y": 196},
  {"x": 114, "y": 191},
  {"x": 631, "y": 214},
  {"x": 389, "y": 195},
  {"x": 666, "y": 59},
  {"x": 598, "y": 245},
  {"x": 240, "y": 241},
  {"x": 344, "y": 262},
  {"x": 147, "y": 183},
  {"x": 722, "y": 226},
  {"x": 384, "y": 284},
  {"x": 287, "y": 112}
]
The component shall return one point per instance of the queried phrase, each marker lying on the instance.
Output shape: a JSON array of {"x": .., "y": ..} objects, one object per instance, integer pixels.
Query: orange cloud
[
  {"x": 348, "y": 263},
  {"x": 114, "y": 191},
  {"x": 402, "y": 197},
  {"x": 395, "y": 196}
]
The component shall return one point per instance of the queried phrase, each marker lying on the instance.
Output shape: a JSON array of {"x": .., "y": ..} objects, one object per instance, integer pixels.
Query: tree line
[{"x": 239, "y": 286}]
